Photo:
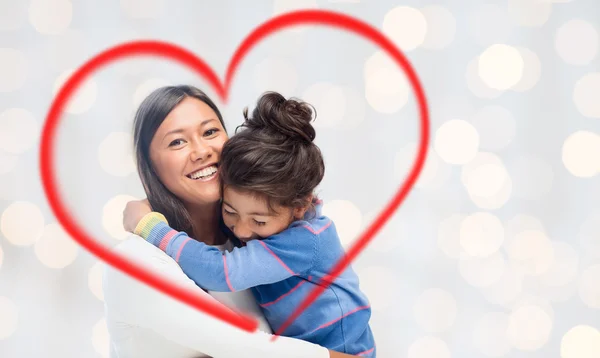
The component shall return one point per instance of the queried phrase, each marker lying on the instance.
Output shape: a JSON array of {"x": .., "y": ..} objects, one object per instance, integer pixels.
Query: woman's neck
[{"x": 205, "y": 223}]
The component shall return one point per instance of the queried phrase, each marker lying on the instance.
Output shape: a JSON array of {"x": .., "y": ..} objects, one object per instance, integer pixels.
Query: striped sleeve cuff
[
  {"x": 148, "y": 222},
  {"x": 155, "y": 229}
]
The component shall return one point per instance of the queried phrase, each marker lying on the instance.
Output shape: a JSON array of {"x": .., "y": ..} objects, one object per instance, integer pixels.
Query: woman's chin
[
  {"x": 204, "y": 195},
  {"x": 199, "y": 191}
]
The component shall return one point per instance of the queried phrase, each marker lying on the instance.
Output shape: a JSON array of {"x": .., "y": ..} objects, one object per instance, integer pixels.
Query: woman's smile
[{"x": 205, "y": 174}]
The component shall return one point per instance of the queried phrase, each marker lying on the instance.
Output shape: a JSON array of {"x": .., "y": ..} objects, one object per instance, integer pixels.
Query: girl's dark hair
[
  {"x": 273, "y": 155},
  {"x": 149, "y": 116}
]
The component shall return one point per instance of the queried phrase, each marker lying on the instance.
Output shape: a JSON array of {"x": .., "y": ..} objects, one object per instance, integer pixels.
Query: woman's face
[{"x": 185, "y": 152}]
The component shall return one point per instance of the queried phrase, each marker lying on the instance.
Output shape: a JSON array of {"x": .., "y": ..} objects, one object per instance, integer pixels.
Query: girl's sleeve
[{"x": 260, "y": 262}]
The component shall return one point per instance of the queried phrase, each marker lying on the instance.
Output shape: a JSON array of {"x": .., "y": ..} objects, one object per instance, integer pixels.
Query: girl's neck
[{"x": 205, "y": 223}]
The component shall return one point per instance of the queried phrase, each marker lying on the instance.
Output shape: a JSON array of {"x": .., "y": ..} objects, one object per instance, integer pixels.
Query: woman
[{"x": 178, "y": 135}]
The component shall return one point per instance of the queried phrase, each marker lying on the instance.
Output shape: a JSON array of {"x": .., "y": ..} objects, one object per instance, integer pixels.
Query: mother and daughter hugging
[{"x": 238, "y": 219}]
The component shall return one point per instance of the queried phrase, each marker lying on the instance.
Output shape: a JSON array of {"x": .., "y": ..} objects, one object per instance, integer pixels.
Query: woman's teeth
[{"x": 203, "y": 173}]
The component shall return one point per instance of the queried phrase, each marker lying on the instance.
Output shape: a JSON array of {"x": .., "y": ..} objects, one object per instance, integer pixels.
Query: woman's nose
[{"x": 200, "y": 151}]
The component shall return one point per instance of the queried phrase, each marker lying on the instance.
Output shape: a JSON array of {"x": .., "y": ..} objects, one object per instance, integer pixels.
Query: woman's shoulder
[
  {"x": 134, "y": 244},
  {"x": 142, "y": 252},
  {"x": 135, "y": 248}
]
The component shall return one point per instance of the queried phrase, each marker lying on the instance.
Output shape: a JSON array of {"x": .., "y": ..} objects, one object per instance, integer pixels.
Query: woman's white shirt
[{"x": 143, "y": 322}]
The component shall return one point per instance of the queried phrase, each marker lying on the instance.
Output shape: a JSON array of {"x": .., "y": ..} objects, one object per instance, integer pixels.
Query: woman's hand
[{"x": 134, "y": 211}]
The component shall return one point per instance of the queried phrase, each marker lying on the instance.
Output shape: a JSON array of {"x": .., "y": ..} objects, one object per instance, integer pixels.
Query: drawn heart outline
[{"x": 195, "y": 63}]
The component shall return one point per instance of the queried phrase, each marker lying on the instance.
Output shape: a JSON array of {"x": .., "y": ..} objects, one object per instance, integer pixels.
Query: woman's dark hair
[
  {"x": 149, "y": 116},
  {"x": 273, "y": 155}
]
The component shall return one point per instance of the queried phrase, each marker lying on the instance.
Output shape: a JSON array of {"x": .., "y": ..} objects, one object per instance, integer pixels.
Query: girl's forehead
[{"x": 247, "y": 202}]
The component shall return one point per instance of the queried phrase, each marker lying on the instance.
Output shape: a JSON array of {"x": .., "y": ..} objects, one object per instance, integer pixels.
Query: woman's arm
[{"x": 132, "y": 304}]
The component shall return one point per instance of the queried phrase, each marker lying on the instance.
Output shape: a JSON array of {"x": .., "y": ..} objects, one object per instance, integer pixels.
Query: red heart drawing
[{"x": 188, "y": 59}]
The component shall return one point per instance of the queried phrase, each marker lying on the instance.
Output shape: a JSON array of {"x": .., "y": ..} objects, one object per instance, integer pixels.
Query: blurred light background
[{"x": 495, "y": 253}]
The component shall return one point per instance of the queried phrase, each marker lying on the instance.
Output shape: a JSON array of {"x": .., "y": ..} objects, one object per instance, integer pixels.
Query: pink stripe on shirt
[{"x": 165, "y": 240}]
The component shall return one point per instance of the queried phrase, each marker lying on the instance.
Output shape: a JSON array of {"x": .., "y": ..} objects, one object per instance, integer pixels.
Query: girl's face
[
  {"x": 185, "y": 152},
  {"x": 248, "y": 216}
]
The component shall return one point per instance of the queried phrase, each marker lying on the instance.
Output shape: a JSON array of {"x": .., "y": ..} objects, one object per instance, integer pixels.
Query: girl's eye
[
  {"x": 259, "y": 223},
  {"x": 210, "y": 132},
  {"x": 228, "y": 212},
  {"x": 176, "y": 142}
]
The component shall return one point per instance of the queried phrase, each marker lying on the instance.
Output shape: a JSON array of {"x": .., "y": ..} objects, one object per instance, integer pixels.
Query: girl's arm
[{"x": 260, "y": 262}]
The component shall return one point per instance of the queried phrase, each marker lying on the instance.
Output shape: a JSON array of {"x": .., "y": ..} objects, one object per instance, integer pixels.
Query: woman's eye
[
  {"x": 259, "y": 223},
  {"x": 210, "y": 132},
  {"x": 176, "y": 142}
]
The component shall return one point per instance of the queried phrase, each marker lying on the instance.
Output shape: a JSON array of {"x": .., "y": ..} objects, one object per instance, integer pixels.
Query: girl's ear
[{"x": 299, "y": 211}]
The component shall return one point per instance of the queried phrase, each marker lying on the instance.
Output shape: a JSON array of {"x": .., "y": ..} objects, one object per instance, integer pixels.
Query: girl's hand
[{"x": 134, "y": 212}]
